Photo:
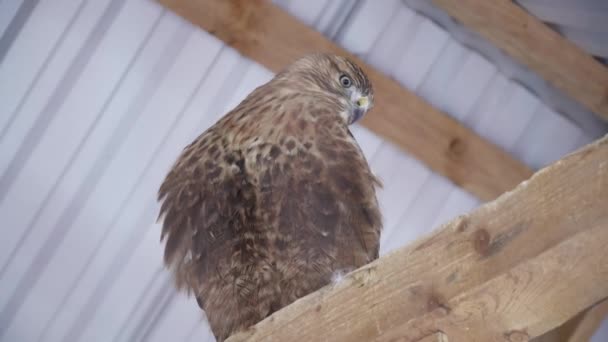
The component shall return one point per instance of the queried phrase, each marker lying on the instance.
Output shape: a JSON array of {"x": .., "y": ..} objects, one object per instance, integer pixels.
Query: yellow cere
[{"x": 362, "y": 101}]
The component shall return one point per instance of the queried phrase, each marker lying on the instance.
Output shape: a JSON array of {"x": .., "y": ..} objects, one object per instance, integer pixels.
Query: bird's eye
[{"x": 345, "y": 81}]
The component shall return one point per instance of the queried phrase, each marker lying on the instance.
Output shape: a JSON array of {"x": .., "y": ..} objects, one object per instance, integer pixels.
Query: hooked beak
[{"x": 361, "y": 107}]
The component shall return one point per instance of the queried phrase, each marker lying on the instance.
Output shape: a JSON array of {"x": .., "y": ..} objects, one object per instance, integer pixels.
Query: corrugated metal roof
[{"x": 99, "y": 97}]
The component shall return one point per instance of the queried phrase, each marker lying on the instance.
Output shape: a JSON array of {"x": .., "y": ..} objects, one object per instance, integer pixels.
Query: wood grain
[
  {"x": 511, "y": 270},
  {"x": 273, "y": 38},
  {"x": 535, "y": 45}
]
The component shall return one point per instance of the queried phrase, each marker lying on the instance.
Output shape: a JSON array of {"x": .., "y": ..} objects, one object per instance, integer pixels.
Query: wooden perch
[
  {"x": 535, "y": 45},
  {"x": 273, "y": 38},
  {"x": 510, "y": 271}
]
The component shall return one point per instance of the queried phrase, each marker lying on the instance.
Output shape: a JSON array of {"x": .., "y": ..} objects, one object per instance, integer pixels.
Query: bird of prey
[{"x": 275, "y": 198}]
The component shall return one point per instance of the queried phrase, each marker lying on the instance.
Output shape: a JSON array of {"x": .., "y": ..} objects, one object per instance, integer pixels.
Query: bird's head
[{"x": 338, "y": 77}]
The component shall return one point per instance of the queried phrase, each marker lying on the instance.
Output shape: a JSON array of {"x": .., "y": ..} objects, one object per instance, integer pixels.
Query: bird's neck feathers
[{"x": 278, "y": 110}]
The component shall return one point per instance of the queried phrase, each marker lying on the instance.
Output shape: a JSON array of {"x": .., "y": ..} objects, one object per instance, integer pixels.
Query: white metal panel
[
  {"x": 402, "y": 175},
  {"x": 100, "y": 145},
  {"x": 416, "y": 220},
  {"x": 127, "y": 170},
  {"x": 40, "y": 173},
  {"x": 332, "y": 16},
  {"x": 394, "y": 40},
  {"x": 428, "y": 42},
  {"x": 457, "y": 203},
  {"x": 178, "y": 320},
  {"x": 467, "y": 86},
  {"x": 25, "y": 59},
  {"x": 366, "y": 24},
  {"x": 492, "y": 97},
  {"x": 307, "y": 11},
  {"x": 513, "y": 107},
  {"x": 148, "y": 297},
  {"x": 548, "y": 137},
  {"x": 98, "y": 211},
  {"x": 202, "y": 333},
  {"x": 254, "y": 76},
  {"x": 133, "y": 294},
  {"x": 435, "y": 85},
  {"x": 367, "y": 140},
  {"x": 602, "y": 334},
  {"x": 8, "y": 10},
  {"x": 140, "y": 210}
]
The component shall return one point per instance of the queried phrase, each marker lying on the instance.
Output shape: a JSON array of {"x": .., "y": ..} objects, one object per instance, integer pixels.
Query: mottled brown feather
[{"x": 264, "y": 206}]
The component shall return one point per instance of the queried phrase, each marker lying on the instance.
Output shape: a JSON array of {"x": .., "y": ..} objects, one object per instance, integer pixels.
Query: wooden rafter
[
  {"x": 535, "y": 45},
  {"x": 273, "y": 38},
  {"x": 511, "y": 270}
]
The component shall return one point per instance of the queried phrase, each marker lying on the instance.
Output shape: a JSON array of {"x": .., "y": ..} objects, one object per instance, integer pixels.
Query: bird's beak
[
  {"x": 363, "y": 102},
  {"x": 361, "y": 107}
]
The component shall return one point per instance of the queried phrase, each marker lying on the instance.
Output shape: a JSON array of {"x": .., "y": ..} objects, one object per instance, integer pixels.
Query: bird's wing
[
  {"x": 300, "y": 193},
  {"x": 204, "y": 206}
]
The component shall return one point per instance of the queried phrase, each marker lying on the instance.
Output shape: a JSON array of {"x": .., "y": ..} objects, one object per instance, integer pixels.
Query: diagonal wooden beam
[
  {"x": 535, "y": 45},
  {"x": 511, "y": 270},
  {"x": 273, "y": 38}
]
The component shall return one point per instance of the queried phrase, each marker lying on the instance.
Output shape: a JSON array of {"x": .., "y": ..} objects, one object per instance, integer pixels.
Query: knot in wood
[
  {"x": 481, "y": 241},
  {"x": 456, "y": 148},
  {"x": 461, "y": 224},
  {"x": 438, "y": 304}
]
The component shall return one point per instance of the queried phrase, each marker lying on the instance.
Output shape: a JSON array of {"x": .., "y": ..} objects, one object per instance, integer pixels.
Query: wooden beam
[
  {"x": 533, "y": 44},
  {"x": 273, "y": 38},
  {"x": 511, "y": 270}
]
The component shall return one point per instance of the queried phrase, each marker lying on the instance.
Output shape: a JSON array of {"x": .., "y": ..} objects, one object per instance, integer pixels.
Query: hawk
[{"x": 275, "y": 198}]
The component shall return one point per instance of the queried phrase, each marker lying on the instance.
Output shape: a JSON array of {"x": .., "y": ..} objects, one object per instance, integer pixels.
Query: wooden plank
[
  {"x": 511, "y": 270},
  {"x": 535, "y": 45},
  {"x": 268, "y": 35}
]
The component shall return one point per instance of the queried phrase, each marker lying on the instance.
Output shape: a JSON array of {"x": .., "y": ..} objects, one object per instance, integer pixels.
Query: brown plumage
[{"x": 271, "y": 201}]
